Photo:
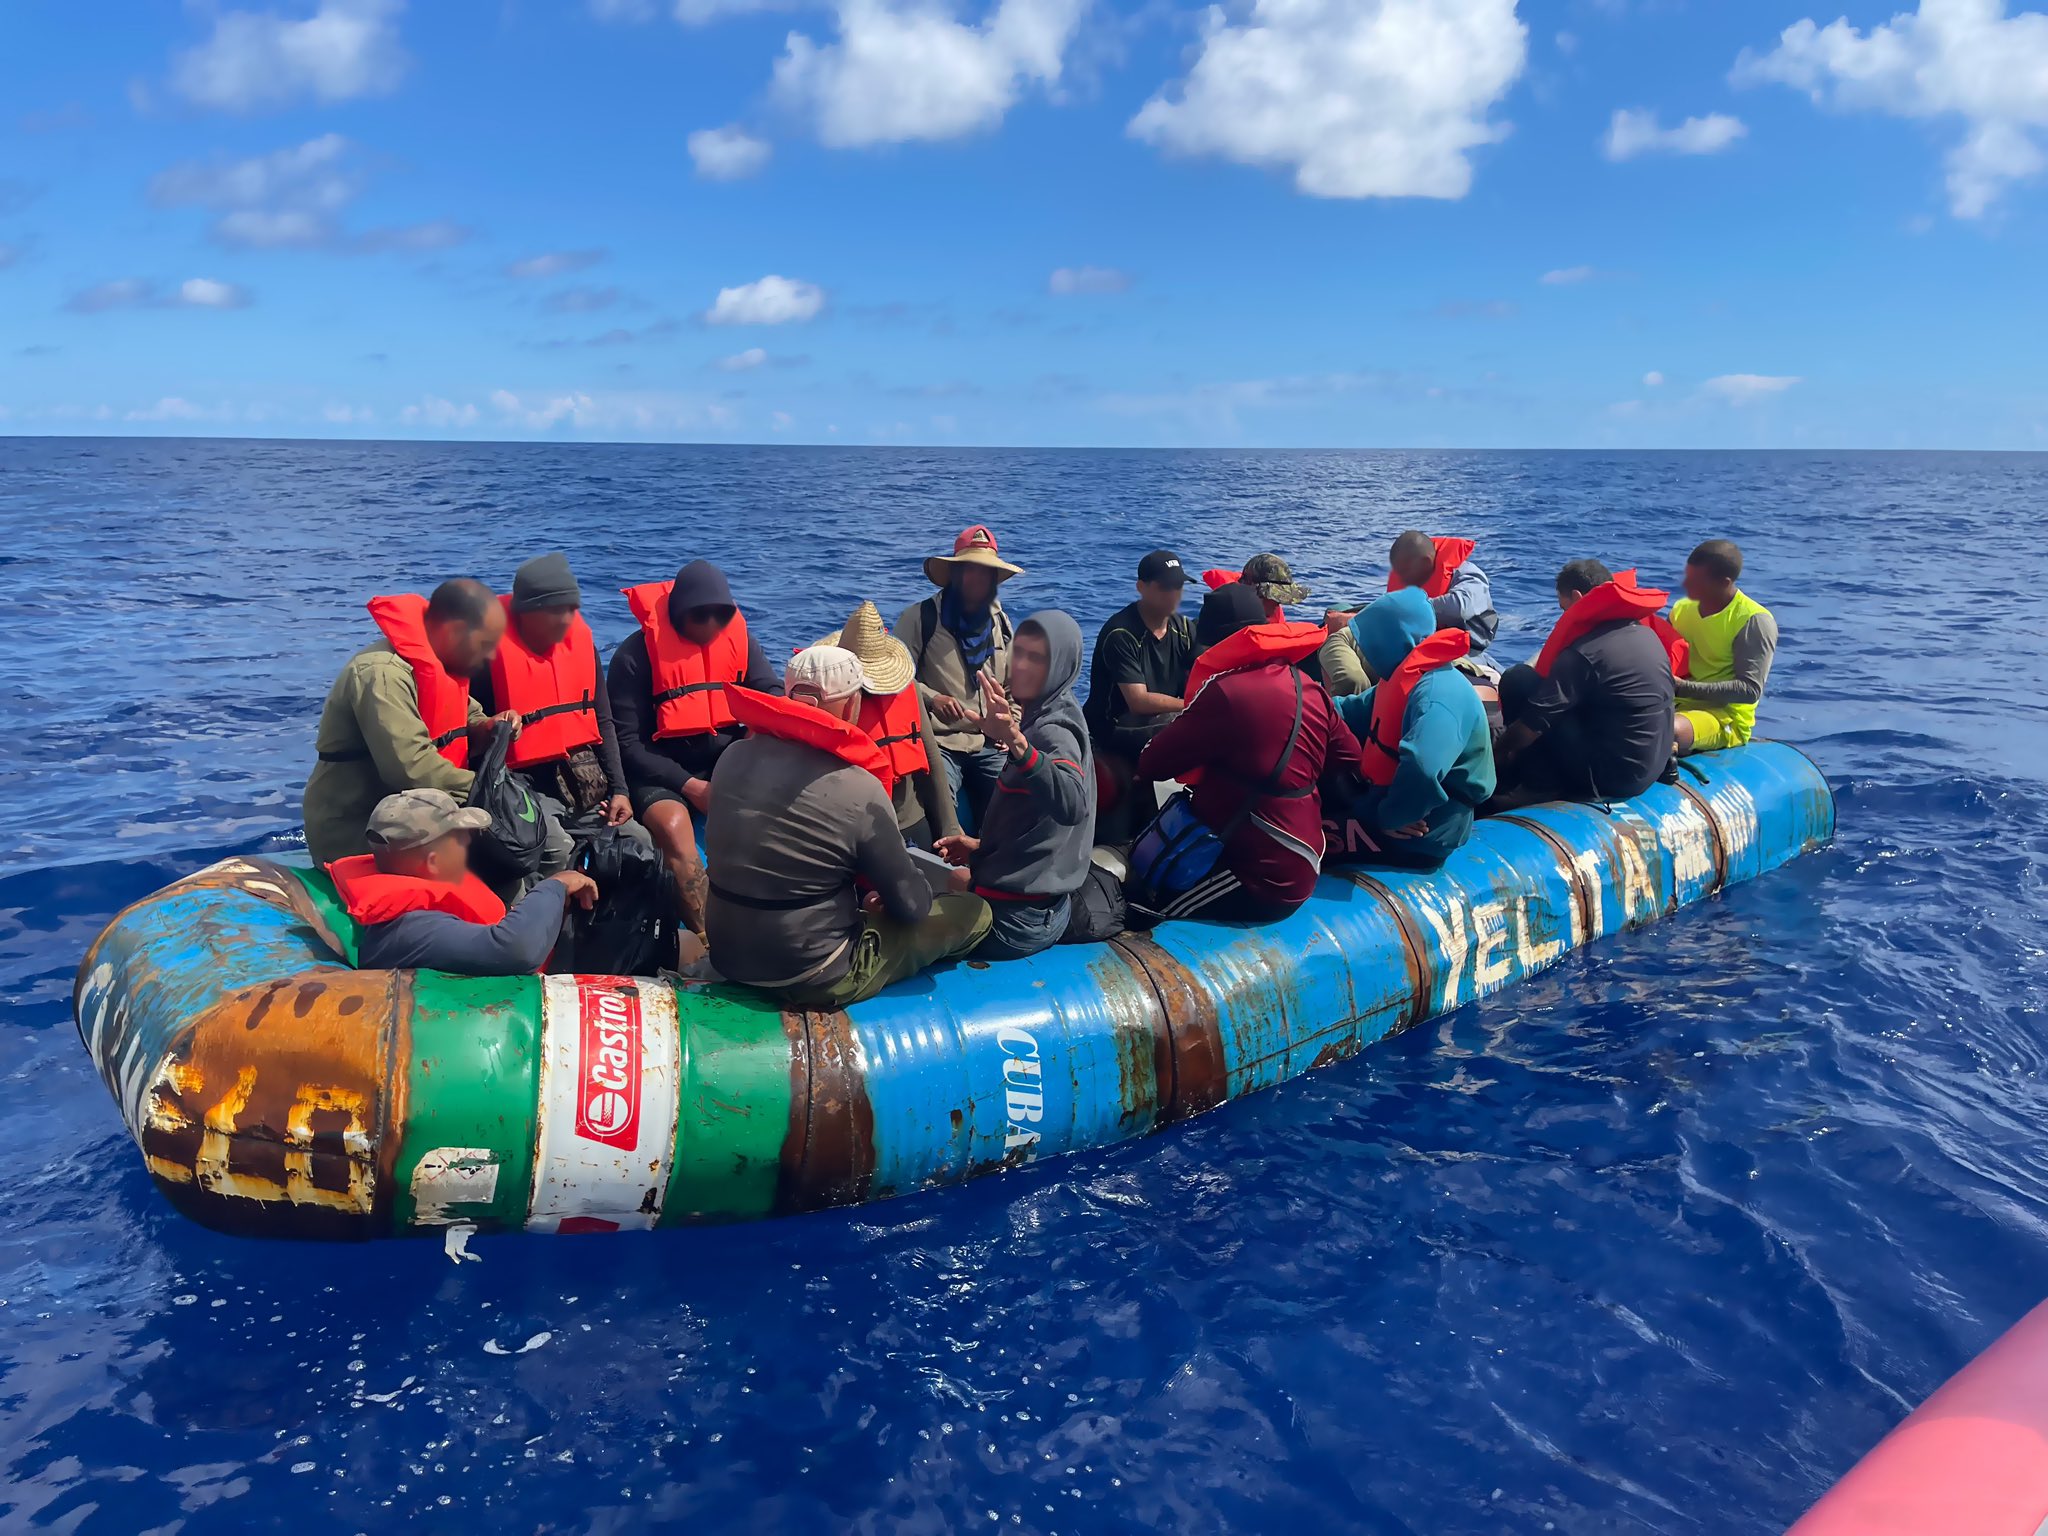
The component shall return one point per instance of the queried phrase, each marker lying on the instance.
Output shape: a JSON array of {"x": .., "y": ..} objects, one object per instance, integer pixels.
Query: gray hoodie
[{"x": 1040, "y": 826}]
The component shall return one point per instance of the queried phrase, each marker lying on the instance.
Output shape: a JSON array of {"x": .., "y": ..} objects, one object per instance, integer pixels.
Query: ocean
[{"x": 1658, "y": 1242}]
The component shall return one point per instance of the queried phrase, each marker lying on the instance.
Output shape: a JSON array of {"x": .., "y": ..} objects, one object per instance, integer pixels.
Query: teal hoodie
[{"x": 1446, "y": 767}]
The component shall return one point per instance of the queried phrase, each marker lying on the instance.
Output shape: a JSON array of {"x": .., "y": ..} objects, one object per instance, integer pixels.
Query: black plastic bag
[
  {"x": 632, "y": 929},
  {"x": 509, "y": 849}
]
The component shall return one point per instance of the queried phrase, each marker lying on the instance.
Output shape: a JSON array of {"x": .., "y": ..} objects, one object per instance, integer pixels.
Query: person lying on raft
[
  {"x": 400, "y": 715},
  {"x": 1246, "y": 843},
  {"x": 668, "y": 692},
  {"x": 418, "y": 907},
  {"x": 1591, "y": 720},
  {"x": 1731, "y": 639},
  {"x": 546, "y": 671},
  {"x": 1426, "y": 759},
  {"x": 1033, "y": 851},
  {"x": 803, "y": 819},
  {"x": 894, "y": 717}
]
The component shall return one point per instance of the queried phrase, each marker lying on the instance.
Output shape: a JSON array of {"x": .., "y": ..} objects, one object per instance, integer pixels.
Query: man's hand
[
  {"x": 1413, "y": 829},
  {"x": 872, "y": 904},
  {"x": 960, "y": 882},
  {"x": 581, "y": 888},
  {"x": 999, "y": 717},
  {"x": 948, "y": 709},
  {"x": 618, "y": 810},
  {"x": 958, "y": 849},
  {"x": 697, "y": 795},
  {"x": 509, "y": 717},
  {"x": 1337, "y": 618}
]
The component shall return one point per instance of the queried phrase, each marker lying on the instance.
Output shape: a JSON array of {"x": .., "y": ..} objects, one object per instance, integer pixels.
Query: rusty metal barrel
[{"x": 275, "y": 1090}]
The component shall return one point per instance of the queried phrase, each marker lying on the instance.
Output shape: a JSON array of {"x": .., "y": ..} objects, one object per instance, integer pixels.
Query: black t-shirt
[
  {"x": 1128, "y": 652},
  {"x": 1615, "y": 684}
]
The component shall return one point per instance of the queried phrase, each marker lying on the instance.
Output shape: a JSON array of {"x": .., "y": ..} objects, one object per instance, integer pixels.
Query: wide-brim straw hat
[
  {"x": 975, "y": 546},
  {"x": 885, "y": 664}
]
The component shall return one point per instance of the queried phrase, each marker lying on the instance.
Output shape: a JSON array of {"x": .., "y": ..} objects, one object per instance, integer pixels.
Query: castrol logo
[{"x": 608, "y": 1066}]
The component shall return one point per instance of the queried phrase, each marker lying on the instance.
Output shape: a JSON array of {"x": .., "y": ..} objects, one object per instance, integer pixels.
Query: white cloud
[
  {"x": 140, "y": 293},
  {"x": 1072, "y": 280},
  {"x": 1633, "y": 132},
  {"x": 553, "y": 263},
  {"x": 290, "y": 197},
  {"x": 176, "y": 408},
  {"x": 729, "y": 153},
  {"x": 906, "y": 70},
  {"x": 782, "y": 421},
  {"x": 1357, "y": 98},
  {"x": 433, "y": 411},
  {"x": 1653, "y": 380},
  {"x": 208, "y": 293},
  {"x": 652, "y": 414},
  {"x": 1564, "y": 277},
  {"x": 257, "y": 60},
  {"x": 343, "y": 415},
  {"x": 1964, "y": 59},
  {"x": 744, "y": 362},
  {"x": 770, "y": 300},
  {"x": 1747, "y": 388}
]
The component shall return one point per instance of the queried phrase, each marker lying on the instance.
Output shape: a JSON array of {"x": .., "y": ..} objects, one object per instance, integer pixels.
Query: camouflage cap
[
  {"x": 412, "y": 818},
  {"x": 1270, "y": 577}
]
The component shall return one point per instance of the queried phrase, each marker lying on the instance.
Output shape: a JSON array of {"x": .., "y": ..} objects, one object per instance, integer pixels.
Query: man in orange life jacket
[
  {"x": 400, "y": 715},
  {"x": 804, "y": 814},
  {"x": 418, "y": 907},
  {"x": 1426, "y": 763},
  {"x": 1592, "y": 719},
  {"x": 667, "y": 682},
  {"x": 546, "y": 671}
]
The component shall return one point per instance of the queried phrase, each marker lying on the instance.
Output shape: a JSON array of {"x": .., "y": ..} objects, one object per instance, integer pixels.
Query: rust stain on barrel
[
  {"x": 1187, "y": 1041},
  {"x": 1575, "y": 878},
  {"x": 836, "y": 1159},
  {"x": 1413, "y": 950}
]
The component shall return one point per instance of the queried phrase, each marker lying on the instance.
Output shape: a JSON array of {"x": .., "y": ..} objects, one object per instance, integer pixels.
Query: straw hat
[
  {"x": 885, "y": 665},
  {"x": 975, "y": 546}
]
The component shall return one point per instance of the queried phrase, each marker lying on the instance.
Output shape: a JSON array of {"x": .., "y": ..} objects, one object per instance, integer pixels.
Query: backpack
[
  {"x": 509, "y": 849},
  {"x": 632, "y": 929}
]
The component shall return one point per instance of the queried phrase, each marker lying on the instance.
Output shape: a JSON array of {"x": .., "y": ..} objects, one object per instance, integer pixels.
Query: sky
[{"x": 1289, "y": 223}]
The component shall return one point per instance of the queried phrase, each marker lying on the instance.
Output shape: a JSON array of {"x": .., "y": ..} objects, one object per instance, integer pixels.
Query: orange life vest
[
  {"x": 1676, "y": 646},
  {"x": 1380, "y": 746},
  {"x": 374, "y": 897},
  {"x": 792, "y": 720},
  {"x": 1216, "y": 581},
  {"x": 444, "y": 700},
  {"x": 1450, "y": 554},
  {"x": 1253, "y": 646},
  {"x": 895, "y": 725},
  {"x": 1620, "y": 598},
  {"x": 689, "y": 679},
  {"x": 555, "y": 694}
]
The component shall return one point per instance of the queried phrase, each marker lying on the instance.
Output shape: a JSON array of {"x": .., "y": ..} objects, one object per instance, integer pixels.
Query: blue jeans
[
  {"x": 1023, "y": 928},
  {"x": 972, "y": 776}
]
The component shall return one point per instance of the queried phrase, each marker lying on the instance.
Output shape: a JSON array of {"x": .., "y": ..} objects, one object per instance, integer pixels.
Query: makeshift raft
[{"x": 276, "y": 1091}]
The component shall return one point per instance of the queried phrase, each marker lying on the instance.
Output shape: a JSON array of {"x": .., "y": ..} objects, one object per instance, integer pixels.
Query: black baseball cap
[{"x": 1163, "y": 569}]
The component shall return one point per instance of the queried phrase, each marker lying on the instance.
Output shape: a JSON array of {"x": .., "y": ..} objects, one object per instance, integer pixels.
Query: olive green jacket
[{"x": 372, "y": 743}]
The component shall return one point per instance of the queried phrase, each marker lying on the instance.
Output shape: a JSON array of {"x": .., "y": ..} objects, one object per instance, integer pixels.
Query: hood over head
[
  {"x": 700, "y": 584},
  {"x": 1063, "y": 641},
  {"x": 1227, "y": 610},
  {"x": 1392, "y": 626}
]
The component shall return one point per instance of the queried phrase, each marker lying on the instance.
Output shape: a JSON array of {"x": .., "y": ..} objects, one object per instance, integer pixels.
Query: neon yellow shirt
[{"x": 1713, "y": 652}]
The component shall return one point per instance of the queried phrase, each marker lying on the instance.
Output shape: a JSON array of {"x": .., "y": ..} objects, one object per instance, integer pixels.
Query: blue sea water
[{"x": 1660, "y": 1241}]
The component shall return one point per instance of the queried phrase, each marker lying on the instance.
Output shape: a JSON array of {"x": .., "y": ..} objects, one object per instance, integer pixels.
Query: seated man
[
  {"x": 1458, "y": 593},
  {"x": 1270, "y": 577},
  {"x": 893, "y": 715},
  {"x": 667, "y": 682},
  {"x": 803, "y": 814},
  {"x": 400, "y": 715},
  {"x": 1246, "y": 844},
  {"x": 1591, "y": 720},
  {"x": 546, "y": 672},
  {"x": 1730, "y": 640},
  {"x": 1426, "y": 758},
  {"x": 1033, "y": 851},
  {"x": 420, "y": 908},
  {"x": 1137, "y": 683}
]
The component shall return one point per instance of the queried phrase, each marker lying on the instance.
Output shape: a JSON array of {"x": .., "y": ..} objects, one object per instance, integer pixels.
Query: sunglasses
[{"x": 713, "y": 613}]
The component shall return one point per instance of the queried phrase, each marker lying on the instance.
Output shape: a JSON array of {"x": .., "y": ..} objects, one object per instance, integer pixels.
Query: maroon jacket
[{"x": 1234, "y": 730}]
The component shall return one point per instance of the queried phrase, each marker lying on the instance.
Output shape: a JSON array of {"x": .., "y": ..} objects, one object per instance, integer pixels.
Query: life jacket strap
[
  {"x": 572, "y": 707},
  {"x": 445, "y": 738},
  {"x": 667, "y": 694}
]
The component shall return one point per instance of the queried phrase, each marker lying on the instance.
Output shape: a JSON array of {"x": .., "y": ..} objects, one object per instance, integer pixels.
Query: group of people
[{"x": 901, "y": 797}]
